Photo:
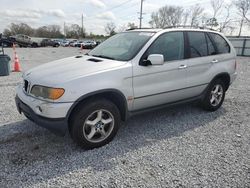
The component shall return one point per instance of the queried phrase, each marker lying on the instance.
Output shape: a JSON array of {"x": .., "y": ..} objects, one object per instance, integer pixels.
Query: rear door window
[
  {"x": 221, "y": 44},
  {"x": 197, "y": 44}
]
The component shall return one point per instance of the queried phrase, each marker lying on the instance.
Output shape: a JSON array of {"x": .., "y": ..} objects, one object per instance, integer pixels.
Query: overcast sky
[{"x": 96, "y": 12}]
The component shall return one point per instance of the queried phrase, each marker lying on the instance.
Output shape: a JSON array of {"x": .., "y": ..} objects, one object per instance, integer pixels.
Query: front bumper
[
  {"x": 43, "y": 108},
  {"x": 58, "y": 126}
]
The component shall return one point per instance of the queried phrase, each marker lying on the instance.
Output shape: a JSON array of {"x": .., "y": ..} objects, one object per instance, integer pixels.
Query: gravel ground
[{"x": 179, "y": 147}]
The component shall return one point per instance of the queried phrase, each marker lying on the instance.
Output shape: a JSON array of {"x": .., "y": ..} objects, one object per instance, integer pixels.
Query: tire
[
  {"x": 95, "y": 123},
  {"x": 34, "y": 45},
  {"x": 214, "y": 96}
]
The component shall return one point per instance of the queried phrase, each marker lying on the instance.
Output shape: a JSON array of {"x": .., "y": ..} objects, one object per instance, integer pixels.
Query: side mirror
[
  {"x": 153, "y": 59},
  {"x": 156, "y": 59}
]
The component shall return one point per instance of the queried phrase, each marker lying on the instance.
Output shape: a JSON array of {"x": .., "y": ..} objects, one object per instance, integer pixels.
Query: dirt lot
[{"x": 178, "y": 147}]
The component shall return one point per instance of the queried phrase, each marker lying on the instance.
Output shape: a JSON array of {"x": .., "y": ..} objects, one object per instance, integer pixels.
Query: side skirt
[{"x": 176, "y": 103}]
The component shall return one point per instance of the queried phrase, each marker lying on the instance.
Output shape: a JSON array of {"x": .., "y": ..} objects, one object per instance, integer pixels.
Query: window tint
[
  {"x": 210, "y": 47},
  {"x": 170, "y": 45},
  {"x": 221, "y": 44},
  {"x": 197, "y": 44}
]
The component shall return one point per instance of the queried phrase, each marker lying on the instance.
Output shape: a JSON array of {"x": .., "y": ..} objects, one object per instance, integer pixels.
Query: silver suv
[{"x": 133, "y": 71}]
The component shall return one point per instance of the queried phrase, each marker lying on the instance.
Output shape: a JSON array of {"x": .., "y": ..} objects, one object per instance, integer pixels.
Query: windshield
[{"x": 123, "y": 46}]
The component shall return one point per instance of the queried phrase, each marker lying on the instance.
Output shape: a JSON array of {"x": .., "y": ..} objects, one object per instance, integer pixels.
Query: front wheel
[
  {"x": 34, "y": 45},
  {"x": 95, "y": 123},
  {"x": 215, "y": 95}
]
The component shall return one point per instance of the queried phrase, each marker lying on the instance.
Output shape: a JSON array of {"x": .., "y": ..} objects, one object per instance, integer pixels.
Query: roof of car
[
  {"x": 173, "y": 29},
  {"x": 145, "y": 30}
]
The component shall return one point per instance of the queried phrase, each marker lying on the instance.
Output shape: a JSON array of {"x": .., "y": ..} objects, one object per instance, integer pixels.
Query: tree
[
  {"x": 75, "y": 31},
  {"x": 185, "y": 16},
  {"x": 7, "y": 32},
  {"x": 132, "y": 25},
  {"x": 226, "y": 23},
  {"x": 50, "y": 31},
  {"x": 42, "y": 32},
  {"x": 21, "y": 28},
  {"x": 167, "y": 16},
  {"x": 110, "y": 28},
  {"x": 221, "y": 16},
  {"x": 55, "y": 31},
  {"x": 125, "y": 27},
  {"x": 122, "y": 28},
  {"x": 94, "y": 36},
  {"x": 216, "y": 6},
  {"x": 212, "y": 22},
  {"x": 243, "y": 7},
  {"x": 196, "y": 12}
]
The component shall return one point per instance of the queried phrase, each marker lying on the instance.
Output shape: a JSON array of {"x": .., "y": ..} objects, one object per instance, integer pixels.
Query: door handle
[
  {"x": 215, "y": 61},
  {"x": 182, "y": 67}
]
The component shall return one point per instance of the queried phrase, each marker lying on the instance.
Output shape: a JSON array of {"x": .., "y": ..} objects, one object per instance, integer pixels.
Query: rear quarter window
[{"x": 220, "y": 43}]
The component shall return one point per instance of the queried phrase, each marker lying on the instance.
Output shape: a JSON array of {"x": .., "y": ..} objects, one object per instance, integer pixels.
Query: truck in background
[{"x": 25, "y": 41}]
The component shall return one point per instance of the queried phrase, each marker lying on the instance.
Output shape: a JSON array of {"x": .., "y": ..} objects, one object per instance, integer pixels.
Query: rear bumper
[
  {"x": 58, "y": 126},
  {"x": 233, "y": 77}
]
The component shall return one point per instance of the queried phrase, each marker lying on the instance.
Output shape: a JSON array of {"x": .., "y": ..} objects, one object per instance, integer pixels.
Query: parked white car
[
  {"x": 133, "y": 71},
  {"x": 65, "y": 43}
]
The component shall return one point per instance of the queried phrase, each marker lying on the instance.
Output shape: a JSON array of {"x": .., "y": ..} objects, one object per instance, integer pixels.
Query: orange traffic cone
[{"x": 17, "y": 67}]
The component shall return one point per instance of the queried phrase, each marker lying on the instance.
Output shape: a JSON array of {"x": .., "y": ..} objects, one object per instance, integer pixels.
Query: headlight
[{"x": 47, "y": 92}]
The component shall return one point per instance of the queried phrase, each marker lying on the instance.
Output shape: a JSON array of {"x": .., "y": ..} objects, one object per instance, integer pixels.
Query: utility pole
[
  {"x": 82, "y": 25},
  {"x": 64, "y": 29},
  {"x": 140, "y": 18}
]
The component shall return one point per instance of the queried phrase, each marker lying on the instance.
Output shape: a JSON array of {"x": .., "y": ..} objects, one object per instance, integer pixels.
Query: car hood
[{"x": 64, "y": 70}]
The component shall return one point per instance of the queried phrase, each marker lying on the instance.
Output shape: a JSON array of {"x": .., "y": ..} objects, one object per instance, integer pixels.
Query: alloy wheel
[{"x": 98, "y": 126}]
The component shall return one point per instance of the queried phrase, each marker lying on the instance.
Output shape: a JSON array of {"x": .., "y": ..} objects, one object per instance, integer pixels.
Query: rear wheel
[
  {"x": 215, "y": 96},
  {"x": 95, "y": 124}
]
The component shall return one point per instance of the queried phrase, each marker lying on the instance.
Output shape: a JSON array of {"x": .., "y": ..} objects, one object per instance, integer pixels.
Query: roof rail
[
  {"x": 130, "y": 29},
  {"x": 189, "y": 26},
  {"x": 176, "y": 26}
]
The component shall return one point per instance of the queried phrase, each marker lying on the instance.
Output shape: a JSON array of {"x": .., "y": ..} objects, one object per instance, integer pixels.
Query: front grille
[{"x": 26, "y": 85}]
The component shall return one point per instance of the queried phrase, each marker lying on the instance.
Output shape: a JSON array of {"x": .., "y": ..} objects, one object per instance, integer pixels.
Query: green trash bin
[{"x": 4, "y": 65}]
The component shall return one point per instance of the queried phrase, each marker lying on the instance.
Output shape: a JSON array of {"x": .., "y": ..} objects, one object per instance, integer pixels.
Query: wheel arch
[
  {"x": 225, "y": 77},
  {"x": 113, "y": 95}
]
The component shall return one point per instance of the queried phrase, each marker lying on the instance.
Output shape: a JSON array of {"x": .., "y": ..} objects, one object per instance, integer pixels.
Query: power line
[
  {"x": 120, "y": 11},
  {"x": 117, "y": 6},
  {"x": 127, "y": 13},
  {"x": 112, "y": 8}
]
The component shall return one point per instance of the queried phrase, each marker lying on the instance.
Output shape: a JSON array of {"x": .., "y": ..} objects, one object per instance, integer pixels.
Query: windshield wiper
[{"x": 103, "y": 56}]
